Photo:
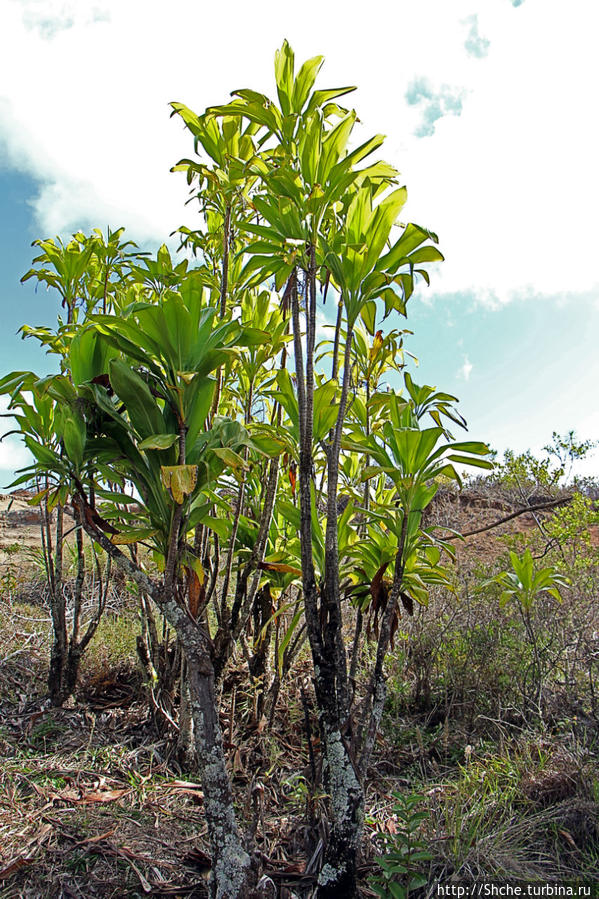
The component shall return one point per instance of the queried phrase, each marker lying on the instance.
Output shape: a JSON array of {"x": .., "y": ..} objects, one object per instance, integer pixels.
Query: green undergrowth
[{"x": 114, "y": 644}]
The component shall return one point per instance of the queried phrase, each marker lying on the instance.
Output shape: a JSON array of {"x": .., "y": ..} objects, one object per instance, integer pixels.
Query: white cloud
[
  {"x": 465, "y": 369},
  {"x": 434, "y": 103},
  {"x": 13, "y": 455},
  {"x": 475, "y": 44},
  {"x": 508, "y": 183},
  {"x": 13, "y": 452}
]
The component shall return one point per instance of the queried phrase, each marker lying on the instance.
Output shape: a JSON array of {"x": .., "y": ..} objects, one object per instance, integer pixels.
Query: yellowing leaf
[
  {"x": 376, "y": 345},
  {"x": 197, "y": 566},
  {"x": 230, "y": 457},
  {"x": 158, "y": 560},
  {"x": 36, "y": 500},
  {"x": 181, "y": 479},
  {"x": 132, "y": 535}
]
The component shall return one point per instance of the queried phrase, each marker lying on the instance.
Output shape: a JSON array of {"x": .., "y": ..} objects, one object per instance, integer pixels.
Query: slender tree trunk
[
  {"x": 233, "y": 873},
  {"x": 377, "y": 689},
  {"x": 185, "y": 740},
  {"x": 68, "y": 649},
  {"x": 58, "y": 610},
  {"x": 338, "y": 875},
  {"x": 333, "y": 635}
]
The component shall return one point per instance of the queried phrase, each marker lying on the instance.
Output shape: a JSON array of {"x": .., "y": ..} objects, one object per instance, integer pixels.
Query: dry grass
[{"x": 94, "y": 804}]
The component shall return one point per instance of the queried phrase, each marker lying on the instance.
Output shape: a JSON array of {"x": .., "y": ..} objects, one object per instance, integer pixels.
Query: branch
[
  {"x": 494, "y": 524},
  {"x": 144, "y": 582}
]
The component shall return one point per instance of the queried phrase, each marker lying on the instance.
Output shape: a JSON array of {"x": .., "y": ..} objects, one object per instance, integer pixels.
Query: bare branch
[{"x": 494, "y": 524}]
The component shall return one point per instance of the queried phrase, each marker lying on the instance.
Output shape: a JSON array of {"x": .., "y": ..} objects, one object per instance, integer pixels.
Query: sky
[{"x": 489, "y": 112}]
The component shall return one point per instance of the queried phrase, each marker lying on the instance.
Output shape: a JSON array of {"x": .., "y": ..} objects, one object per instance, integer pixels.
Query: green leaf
[
  {"x": 158, "y": 442},
  {"x": 142, "y": 409},
  {"x": 127, "y": 536},
  {"x": 368, "y": 313},
  {"x": 287, "y": 638},
  {"x": 89, "y": 355},
  {"x": 74, "y": 438},
  {"x": 284, "y": 65},
  {"x": 44, "y": 455},
  {"x": 218, "y": 525},
  {"x": 471, "y": 460},
  {"x": 305, "y": 82}
]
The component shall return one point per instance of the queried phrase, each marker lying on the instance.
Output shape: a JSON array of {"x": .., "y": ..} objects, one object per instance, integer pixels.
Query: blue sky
[{"x": 488, "y": 114}]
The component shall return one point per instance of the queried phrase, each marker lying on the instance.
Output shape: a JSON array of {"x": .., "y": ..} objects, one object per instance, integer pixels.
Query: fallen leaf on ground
[
  {"x": 13, "y": 866},
  {"x": 27, "y": 856},
  {"x": 186, "y": 788},
  {"x": 79, "y": 796}
]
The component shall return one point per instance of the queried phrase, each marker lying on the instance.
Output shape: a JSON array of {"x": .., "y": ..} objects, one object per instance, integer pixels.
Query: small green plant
[
  {"x": 404, "y": 852},
  {"x": 48, "y": 730},
  {"x": 11, "y": 578},
  {"x": 523, "y": 584}
]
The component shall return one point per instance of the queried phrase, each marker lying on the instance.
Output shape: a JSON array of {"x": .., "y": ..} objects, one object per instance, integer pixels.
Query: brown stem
[
  {"x": 376, "y": 692},
  {"x": 170, "y": 568},
  {"x": 305, "y": 397},
  {"x": 225, "y": 269},
  {"x": 338, "y": 323},
  {"x": 244, "y": 598},
  {"x": 79, "y": 580},
  {"x": 233, "y": 539},
  {"x": 333, "y": 632}
]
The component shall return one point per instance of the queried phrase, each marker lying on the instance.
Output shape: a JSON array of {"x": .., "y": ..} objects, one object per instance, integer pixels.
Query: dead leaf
[
  {"x": 13, "y": 866},
  {"x": 279, "y": 566},
  {"x": 379, "y": 590},
  {"x": 197, "y": 592},
  {"x": 187, "y": 788},
  {"x": 79, "y": 796},
  {"x": 569, "y": 838},
  {"x": 237, "y": 762},
  {"x": 96, "y": 839},
  {"x": 126, "y": 853},
  {"x": 197, "y": 859},
  {"x": 293, "y": 477},
  {"x": 407, "y": 602},
  {"x": 104, "y": 795},
  {"x": 28, "y": 854}
]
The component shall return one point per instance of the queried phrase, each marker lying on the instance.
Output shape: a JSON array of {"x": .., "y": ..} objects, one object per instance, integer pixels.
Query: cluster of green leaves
[
  {"x": 523, "y": 583},
  {"x": 174, "y": 388},
  {"x": 404, "y": 854}
]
